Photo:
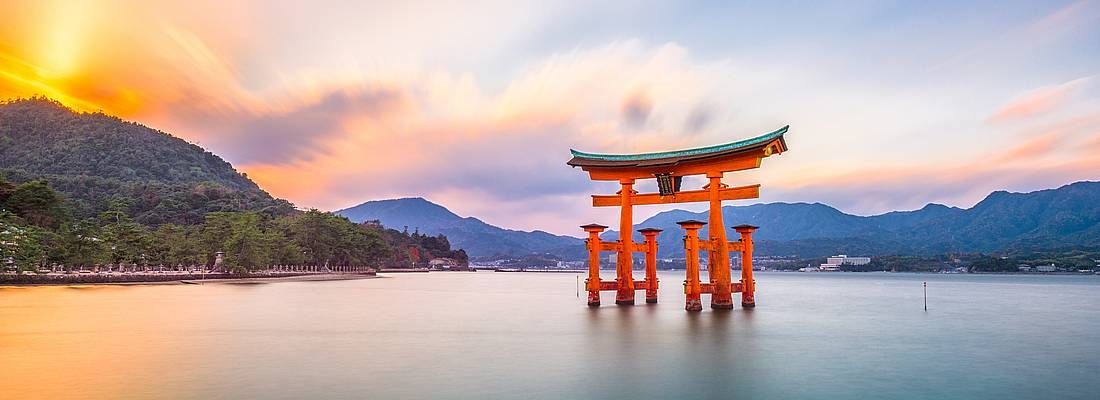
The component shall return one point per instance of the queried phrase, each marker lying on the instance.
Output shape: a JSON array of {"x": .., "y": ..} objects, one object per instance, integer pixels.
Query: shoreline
[{"x": 98, "y": 280}]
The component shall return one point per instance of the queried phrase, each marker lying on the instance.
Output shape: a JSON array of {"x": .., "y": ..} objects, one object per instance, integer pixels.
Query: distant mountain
[
  {"x": 1003, "y": 221},
  {"x": 478, "y": 238},
  {"x": 98, "y": 162}
]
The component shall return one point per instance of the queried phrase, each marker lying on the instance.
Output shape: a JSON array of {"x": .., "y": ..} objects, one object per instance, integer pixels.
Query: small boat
[{"x": 191, "y": 282}]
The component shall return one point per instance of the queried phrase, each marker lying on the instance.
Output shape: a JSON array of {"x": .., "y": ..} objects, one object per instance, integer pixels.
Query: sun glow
[
  {"x": 64, "y": 38},
  {"x": 49, "y": 60}
]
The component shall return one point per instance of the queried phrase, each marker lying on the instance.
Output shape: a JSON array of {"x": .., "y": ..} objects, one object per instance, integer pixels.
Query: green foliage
[
  {"x": 21, "y": 247},
  {"x": 124, "y": 240},
  {"x": 247, "y": 247},
  {"x": 98, "y": 190},
  {"x": 97, "y": 160},
  {"x": 416, "y": 250},
  {"x": 83, "y": 244},
  {"x": 329, "y": 239},
  {"x": 173, "y": 245},
  {"x": 34, "y": 202},
  {"x": 993, "y": 264}
]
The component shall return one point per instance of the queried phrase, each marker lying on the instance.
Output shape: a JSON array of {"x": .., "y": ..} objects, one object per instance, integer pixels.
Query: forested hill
[{"x": 99, "y": 162}]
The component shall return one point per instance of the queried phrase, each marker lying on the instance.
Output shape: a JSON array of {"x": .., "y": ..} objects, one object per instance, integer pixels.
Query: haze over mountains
[
  {"x": 1054, "y": 218},
  {"x": 478, "y": 238}
]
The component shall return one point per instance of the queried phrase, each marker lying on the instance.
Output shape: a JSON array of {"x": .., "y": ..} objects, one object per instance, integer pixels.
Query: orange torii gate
[{"x": 669, "y": 168}]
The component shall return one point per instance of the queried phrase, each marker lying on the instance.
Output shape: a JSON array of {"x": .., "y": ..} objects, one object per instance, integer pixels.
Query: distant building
[
  {"x": 843, "y": 259},
  {"x": 1024, "y": 268},
  {"x": 1046, "y": 268},
  {"x": 442, "y": 263},
  {"x": 833, "y": 263}
]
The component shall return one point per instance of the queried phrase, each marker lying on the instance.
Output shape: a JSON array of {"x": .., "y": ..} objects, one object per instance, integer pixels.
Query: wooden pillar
[
  {"x": 650, "y": 235},
  {"x": 720, "y": 276},
  {"x": 625, "y": 265},
  {"x": 692, "y": 288},
  {"x": 593, "y": 281},
  {"x": 748, "y": 284}
]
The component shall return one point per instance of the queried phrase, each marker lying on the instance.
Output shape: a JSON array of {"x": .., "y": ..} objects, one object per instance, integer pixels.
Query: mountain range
[
  {"x": 478, "y": 238},
  {"x": 1002, "y": 222}
]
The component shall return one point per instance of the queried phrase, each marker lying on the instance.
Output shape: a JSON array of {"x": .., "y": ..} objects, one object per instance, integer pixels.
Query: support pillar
[
  {"x": 692, "y": 288},
  {"x": 650, "y": 235},
  {"x": 592, "y": 284},
  {"x": 748, "y": 284},
  {"x": 719, "y": 255},
  {"x": 624, "y": 296}
]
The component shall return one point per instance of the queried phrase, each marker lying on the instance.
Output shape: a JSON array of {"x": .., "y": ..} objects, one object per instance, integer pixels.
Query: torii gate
[{"x": 669, "y": 168}]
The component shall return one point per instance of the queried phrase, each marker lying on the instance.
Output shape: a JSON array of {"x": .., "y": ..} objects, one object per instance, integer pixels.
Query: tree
[
  {"x": 21, "y": 247},
  {"x": 125, "y": 241},
  {"x": 172, "y": 245},
  {"x": 217, "y": 227},
  {"x": 83, "y": 244},
  {"x": 246, "y": 248},
  {"x": 36, "y": 203},
  {"x": 316, "y": 233}
]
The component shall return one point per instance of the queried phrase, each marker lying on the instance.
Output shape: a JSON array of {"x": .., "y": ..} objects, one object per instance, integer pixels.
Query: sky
[{"x": 475, "y": 104}]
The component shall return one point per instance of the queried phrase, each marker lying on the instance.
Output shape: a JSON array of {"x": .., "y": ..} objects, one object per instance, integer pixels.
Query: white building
[
  {"x": 833, "y": 263},
  {"x": 843, "y": 259},
  {"x": 1046, "y": 268}
]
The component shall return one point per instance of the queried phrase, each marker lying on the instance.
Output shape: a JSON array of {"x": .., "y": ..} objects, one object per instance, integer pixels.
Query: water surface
[{"x": 523, "y": 335}]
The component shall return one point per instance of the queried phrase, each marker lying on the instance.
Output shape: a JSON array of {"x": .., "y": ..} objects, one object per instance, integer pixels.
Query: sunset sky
[{"x": 475, "y": 105}]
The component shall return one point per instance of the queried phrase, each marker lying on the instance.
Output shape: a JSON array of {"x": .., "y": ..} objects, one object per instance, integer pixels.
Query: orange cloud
[
  {"x": 1057, "y": 153},
  {"x": 1039, "y": 101}
]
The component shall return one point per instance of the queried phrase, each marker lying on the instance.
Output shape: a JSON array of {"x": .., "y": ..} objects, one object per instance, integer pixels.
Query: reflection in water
[{"x": 496, "y": 335}]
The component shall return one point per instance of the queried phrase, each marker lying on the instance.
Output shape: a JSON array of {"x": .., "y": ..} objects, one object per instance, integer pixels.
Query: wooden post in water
[
  {"x": 721, "y": 296},
  {"x": 593, "y": 243},
  {"x": 624, "y": 267},
  {"x": 650, "y": 235},
  {"x": 925, "y": 284},
  {"x": 748, "y": 283},
  {"x": 692, "y": 286}
]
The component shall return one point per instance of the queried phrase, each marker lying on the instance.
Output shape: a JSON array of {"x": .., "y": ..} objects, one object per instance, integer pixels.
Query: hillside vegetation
[
  {"x": 80, "y": 190},
  {"x": 99, "y": 163}
]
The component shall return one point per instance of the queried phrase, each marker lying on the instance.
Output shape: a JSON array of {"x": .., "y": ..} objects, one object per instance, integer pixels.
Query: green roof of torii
[{"x": 581, "y": 158}]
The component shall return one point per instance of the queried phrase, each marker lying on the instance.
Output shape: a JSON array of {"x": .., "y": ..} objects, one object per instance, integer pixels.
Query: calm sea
[{"x": 528, "y": 336}]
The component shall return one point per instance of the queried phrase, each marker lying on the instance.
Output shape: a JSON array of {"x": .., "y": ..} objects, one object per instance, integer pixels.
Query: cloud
[
  {"x": 1056, "y": 152},
  {"x": 298, "y": 134},
  {"x": 636, "y": 109},
  {"x": 1039, "y": 101},
  {"x": 699, "y": 119}
]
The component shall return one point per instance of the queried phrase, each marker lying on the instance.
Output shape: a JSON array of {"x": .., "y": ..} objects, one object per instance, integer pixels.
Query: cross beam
[{"x": 691, "y": 196}]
